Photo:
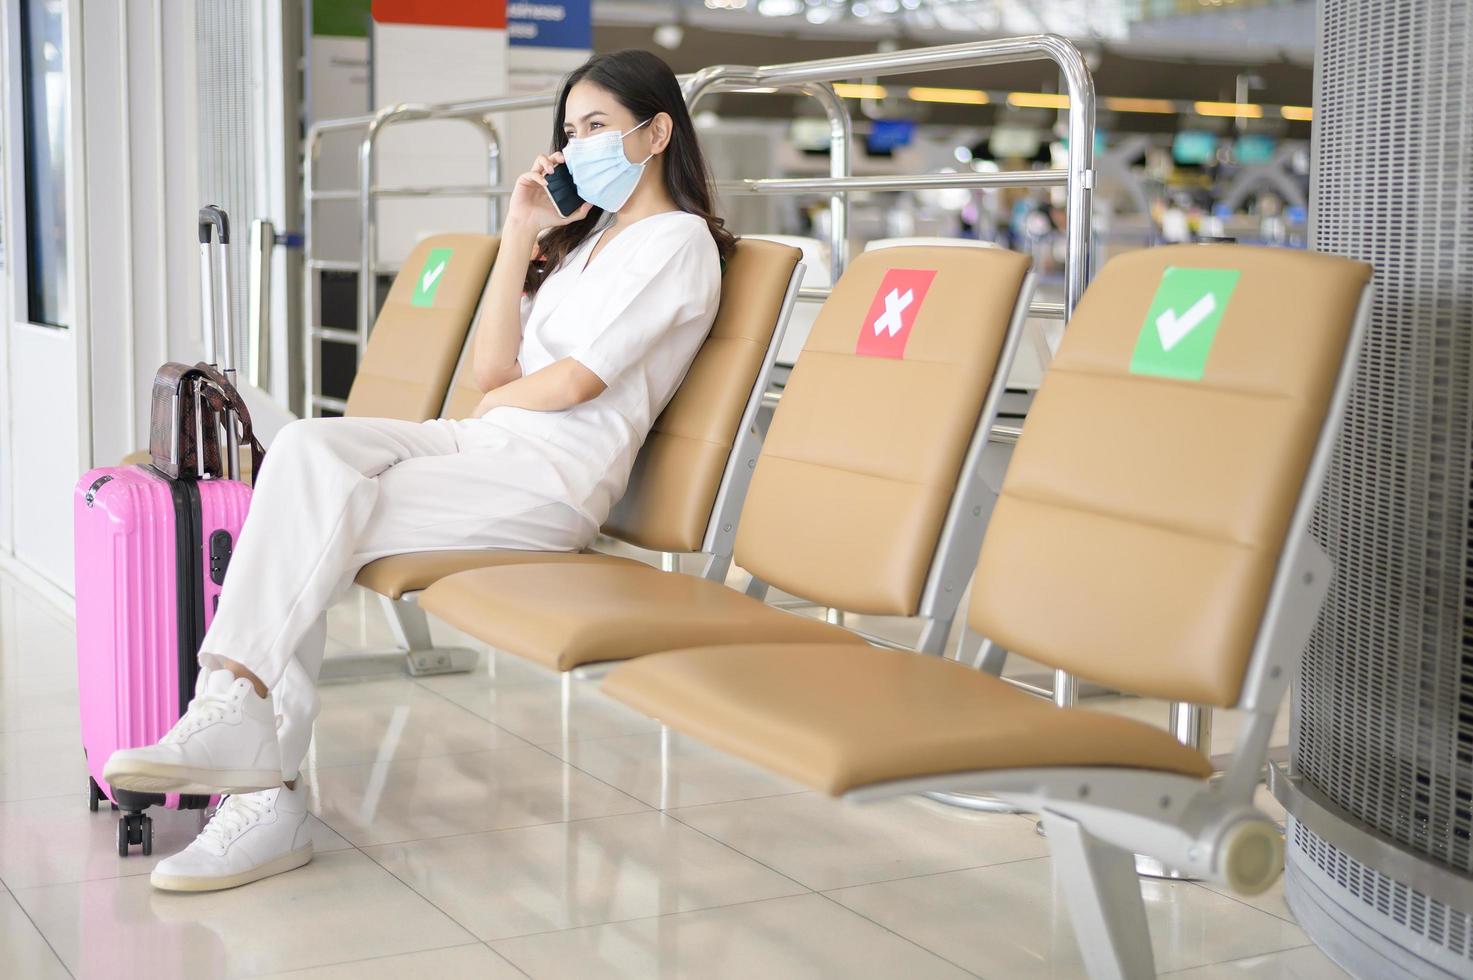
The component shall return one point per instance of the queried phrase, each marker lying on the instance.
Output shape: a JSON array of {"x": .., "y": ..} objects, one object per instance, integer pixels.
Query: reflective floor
[{"x": 482, "y": 826}]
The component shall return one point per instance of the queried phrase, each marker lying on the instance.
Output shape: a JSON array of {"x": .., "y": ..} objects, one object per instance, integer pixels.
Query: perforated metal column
[
  {"x": 227, "y": 46},
  {"x": 1384, "y": 704}
]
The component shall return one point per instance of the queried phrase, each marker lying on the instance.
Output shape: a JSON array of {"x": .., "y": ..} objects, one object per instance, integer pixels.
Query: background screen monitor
[
  {"x": 809, "y": 134},
  {"x": 1254, "y": 148},
  {"x": 1192, "y": 148},
  {"x": 887, "y": 135},
  {"x": 1007, "y": 142}
]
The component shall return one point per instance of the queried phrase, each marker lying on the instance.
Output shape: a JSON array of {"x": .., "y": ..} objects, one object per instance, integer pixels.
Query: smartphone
[{"x": 562, "y": 191}]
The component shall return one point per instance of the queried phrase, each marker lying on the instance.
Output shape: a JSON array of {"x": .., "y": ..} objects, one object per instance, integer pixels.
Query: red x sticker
[{"x": 892, "y": 313}]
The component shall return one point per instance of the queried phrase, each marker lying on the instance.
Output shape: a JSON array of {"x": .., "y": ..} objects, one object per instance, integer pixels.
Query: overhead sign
[
  {"x": 550, "y": 23},
  {"x": 892, "y": 313},
  {"x": 441, "y": 13},
  {"x": 1182, "y": 322}
]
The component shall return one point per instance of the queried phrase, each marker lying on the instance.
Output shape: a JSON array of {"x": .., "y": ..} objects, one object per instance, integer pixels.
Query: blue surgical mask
[{"x": 604, "y": 176}]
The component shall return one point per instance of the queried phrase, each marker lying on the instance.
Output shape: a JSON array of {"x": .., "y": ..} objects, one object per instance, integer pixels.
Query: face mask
[{"x": 603, "y": 174}]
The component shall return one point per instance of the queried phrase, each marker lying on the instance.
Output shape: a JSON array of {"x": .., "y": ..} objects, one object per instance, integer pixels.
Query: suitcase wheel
[
  {"x": 94, "y": 794},
  {"x": 135, "y": 828}
]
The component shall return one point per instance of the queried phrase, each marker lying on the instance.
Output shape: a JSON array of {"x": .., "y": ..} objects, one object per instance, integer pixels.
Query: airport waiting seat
[
  {"x": 817, "y": 274},
  {"x": 690, "y": 476},
  {"x": 406, "y": 368},
  {"x": 1039, "y": 336},
  {"x": 1151, "y": 536},
  {"x": 937, "y": 240},
  {"x": 869, "y": 494},
  {"x": 412, "y": 352}
]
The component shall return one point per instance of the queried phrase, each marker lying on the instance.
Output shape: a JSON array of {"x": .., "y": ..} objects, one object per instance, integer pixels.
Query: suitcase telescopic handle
[
  {"x": 214, "y": 241},
  {"x": 212, "y": 216},
  {"x": 214, "y": 265}
]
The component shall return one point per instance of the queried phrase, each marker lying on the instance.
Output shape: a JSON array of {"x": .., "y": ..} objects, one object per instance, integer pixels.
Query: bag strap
[{"x": 222, "y": 398}]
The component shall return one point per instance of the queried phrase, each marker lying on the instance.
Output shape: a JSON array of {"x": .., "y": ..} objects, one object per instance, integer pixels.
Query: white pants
[{"x": 335, "y": 494}]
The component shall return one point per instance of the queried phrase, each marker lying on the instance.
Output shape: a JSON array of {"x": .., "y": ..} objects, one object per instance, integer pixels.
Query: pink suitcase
[{"x": 151, "y": 555}]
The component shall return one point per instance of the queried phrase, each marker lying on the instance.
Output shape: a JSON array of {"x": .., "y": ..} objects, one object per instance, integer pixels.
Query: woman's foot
[
  {"x": 250, "y": 837},
  {"x": 225, "y": 743}
]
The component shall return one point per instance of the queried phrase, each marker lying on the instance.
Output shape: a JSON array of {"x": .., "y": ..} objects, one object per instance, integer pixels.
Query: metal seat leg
[
  {"x": 415, "y": 651},
  {"x": 1104, "y": 900}
]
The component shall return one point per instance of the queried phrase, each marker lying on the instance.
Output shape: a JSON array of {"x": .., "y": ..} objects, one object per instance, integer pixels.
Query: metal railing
[
  {"x": 811, "y": 78},
  {"x": 367, "y": 194}
]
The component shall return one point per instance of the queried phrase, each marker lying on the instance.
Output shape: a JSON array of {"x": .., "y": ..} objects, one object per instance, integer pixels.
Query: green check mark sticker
[
  {"x": 428, "y": 282},
  {"x": 1182, "y": 322}
]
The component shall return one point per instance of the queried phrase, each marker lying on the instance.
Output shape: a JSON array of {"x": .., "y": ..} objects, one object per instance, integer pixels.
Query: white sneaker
[
  {"x": 225, "y": 743},
  {"x": 250, "y": 837}
]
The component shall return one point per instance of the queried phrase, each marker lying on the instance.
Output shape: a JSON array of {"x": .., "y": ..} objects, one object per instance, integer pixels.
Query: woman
[{"x": 587, "y": 325}]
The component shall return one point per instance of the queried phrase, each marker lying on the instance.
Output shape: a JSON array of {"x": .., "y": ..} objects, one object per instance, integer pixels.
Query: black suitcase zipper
[{"x": 189, "y": 576}]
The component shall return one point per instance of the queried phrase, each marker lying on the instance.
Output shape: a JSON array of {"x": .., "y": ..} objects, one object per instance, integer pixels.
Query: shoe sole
[
  {"x": 155, "y": 777},
  {"x": 184, "y": 883}
]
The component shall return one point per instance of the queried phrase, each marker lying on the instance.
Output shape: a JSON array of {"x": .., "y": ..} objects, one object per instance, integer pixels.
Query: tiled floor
[{"x": 463, "y": 830}]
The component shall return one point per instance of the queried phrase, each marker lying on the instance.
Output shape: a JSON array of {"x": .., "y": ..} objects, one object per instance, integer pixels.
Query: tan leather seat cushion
[
  {"x": 1142, "y": 517},
  {"x": 678, "y": 472},
  {"x": 397, "y": 574},
  {"x": 841, "y": 717},
  {"x": 412, "y": 351},
  {"x": 563, "y": 616},
  {"x": 864, "y": 452}
]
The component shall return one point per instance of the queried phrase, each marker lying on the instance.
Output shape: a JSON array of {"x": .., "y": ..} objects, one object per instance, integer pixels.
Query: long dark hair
[{"x": 644, "y": 85}]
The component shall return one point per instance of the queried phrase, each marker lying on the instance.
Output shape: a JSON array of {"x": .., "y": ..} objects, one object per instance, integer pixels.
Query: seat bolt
[
  {"x": 1165, "y": 802},
  {"x": 726, "y": 528},
  {"x": 1083, "y": 792},
  {"x": 751, "y": 464},
  {"x": 1275, "y": 672},
  {"x": 976, "y": 511},
  {"x": 1308, "y": 578}
]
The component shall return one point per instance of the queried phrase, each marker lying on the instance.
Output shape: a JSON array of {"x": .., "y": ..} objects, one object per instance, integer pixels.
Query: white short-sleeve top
[{"x": 635, "y": 315}]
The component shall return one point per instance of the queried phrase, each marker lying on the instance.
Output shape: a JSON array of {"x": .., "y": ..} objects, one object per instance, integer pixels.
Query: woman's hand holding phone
[{"x": 531, "y": 204}]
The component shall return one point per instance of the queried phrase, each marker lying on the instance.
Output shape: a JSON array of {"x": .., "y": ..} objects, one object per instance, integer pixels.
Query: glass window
[{"x": 45, "y": 122}]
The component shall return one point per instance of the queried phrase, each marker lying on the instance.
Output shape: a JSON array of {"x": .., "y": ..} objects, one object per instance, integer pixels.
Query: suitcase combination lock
[{"x": 221, "y": 546}]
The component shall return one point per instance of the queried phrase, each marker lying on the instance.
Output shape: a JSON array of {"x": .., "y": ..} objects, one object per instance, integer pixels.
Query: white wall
[
  {"x": 339, "y": 87},
  {"x": 527, "y": 133},
  {"x": 429, "y": 63},
  {"x": 46, "y": 442},
  {"x": 138, "y": 114},
  {"x": 78, "y": 398}
]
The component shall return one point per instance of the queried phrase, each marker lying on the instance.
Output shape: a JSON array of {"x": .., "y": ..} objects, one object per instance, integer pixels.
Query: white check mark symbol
[
  {"x": 428, "y": 279},
  {"x": 1172, "y": 329}
]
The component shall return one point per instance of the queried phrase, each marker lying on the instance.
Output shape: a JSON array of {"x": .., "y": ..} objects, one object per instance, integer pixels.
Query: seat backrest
[
  {"x": 421, "y": 329},
  {"x": 817, "y": 274},
  {"x": 680, "y": 468},
  {"x": 1147, "y": 503},
  {"x": 464, "y": 394},
  {"x": 866, "y": 448},
  {"x": 879, "y": 243}
]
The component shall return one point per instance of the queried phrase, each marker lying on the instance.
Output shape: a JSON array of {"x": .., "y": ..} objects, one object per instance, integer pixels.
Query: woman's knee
[{"x": 299, "y": 435}]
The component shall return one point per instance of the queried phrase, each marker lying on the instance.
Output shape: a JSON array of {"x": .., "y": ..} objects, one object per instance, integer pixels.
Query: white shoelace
[
  {"x": 204, "y": 710},
  {"x": 234, "y": 815}
]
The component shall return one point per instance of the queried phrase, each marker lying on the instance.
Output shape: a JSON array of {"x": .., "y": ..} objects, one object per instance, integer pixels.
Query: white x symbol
[{"x": 895, "y": 304}]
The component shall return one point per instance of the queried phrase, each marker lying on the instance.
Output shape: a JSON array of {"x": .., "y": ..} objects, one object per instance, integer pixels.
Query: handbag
[{"x": 194, "y": 410}]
